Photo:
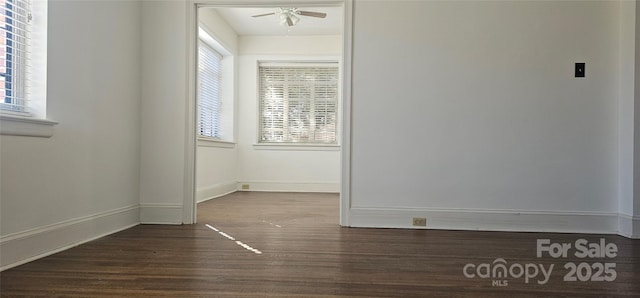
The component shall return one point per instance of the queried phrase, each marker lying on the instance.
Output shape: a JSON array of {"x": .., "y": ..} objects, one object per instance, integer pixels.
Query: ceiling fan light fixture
[{"x": 288, "y": 17}]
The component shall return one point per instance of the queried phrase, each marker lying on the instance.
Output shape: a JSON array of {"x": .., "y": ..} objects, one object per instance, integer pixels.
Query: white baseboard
[
  {"x": 283, "y": 186},
  {"x": 23, "y": 247},
  {"x": 629, "y": 226},
  {"x": 215, "y": 191},
  {"x": 164, "y": 214},
  {"x": 487, "y": 220}
]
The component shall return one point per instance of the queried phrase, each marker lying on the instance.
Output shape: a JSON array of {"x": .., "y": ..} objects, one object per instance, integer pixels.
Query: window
[
  {"x": 298, "y": 103},
  {"x": 209, "y": 88},
  {"x": 23, "y": 69},
  {"x": 15, "y": 17},
  {"x": 215, "y": 91}
]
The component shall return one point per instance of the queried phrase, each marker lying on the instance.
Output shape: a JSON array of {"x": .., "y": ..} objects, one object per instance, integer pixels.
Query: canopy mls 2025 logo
[{"x": 599, "y": 269}]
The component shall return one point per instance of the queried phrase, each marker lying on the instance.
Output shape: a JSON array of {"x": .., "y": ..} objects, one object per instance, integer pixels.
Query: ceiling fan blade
[
  {"x": 312, "y": 14},
  {"x": 289, "y": 21},
  {"x": 264, "y": 14}
]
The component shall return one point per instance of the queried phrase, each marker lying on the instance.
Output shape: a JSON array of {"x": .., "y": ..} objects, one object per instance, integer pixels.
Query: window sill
[
  {"x": 26, "y": 126},
  {"x": 296, "y": 147},
  {"x": 204, "y": 142}
]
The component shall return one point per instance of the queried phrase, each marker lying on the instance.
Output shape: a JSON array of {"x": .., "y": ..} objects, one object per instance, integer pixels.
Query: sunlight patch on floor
[{"x": 240, "y": 243}]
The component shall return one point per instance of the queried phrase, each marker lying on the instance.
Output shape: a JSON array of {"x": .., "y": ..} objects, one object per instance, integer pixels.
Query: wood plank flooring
[{"x": 290, "y": 245}]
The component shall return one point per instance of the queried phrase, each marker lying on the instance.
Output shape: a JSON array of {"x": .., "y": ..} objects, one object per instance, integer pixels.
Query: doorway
[{"x": 236, "y": 160}]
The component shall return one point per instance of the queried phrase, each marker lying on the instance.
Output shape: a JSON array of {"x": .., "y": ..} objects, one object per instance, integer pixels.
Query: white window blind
[
  {"x": 298, "y": 103},
  {"x": 14, "y": 42},
  {"x": 209, "y": 87}
]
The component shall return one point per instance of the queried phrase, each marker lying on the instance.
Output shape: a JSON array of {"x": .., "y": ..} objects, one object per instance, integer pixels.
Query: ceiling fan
[{"x": 289, "y": 15}]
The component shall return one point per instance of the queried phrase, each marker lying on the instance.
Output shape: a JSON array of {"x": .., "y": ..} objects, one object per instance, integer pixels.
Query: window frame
[
  {"x": 298, "y": 146},
  {"x": 228, "y": 93},
  {"x": 34, "y": 123}
]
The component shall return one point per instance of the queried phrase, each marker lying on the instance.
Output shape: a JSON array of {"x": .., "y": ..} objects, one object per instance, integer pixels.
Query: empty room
[{"x": 319, "y": 148}]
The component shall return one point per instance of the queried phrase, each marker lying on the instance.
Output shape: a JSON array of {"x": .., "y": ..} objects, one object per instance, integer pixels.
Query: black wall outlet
[{"x": 580, "y": 70}]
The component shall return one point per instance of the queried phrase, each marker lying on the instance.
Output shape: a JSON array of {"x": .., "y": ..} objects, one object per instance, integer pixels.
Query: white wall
[
  {"x": 281, "y": 169},
  {"x": 216, "y": 171},
  {"x": 325, "y": 45},
  {"x": 475, "y": 121},
  {"x": 164, "y": 112},
  {"x": 627, "y": 132},
  {"x": 82, "y": 182},
  {"x": 636, "y": 153},
  {"x": 216, "y": 164},
  {"x": 637, "y": 124}
]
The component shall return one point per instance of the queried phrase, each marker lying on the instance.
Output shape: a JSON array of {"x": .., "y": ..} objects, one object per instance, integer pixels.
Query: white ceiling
[{"x": 239, "y": 18}]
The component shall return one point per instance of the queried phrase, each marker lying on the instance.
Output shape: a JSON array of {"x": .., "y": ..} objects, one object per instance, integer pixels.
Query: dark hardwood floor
[{"x": 290, "y": 245}]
